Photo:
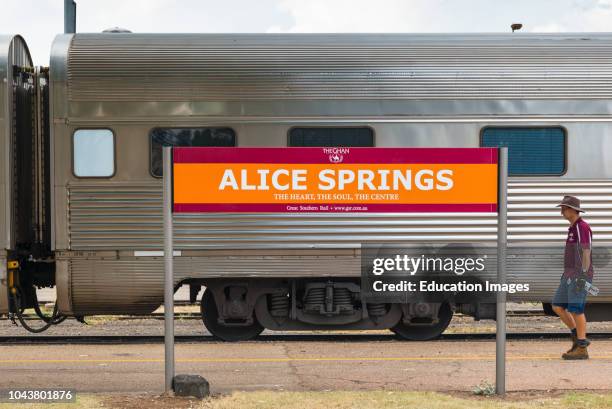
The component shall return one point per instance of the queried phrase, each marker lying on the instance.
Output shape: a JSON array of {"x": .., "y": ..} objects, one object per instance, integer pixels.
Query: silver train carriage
[{"x": 81, "y": 152}]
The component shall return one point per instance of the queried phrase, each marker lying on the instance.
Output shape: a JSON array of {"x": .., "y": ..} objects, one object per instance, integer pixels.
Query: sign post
[
  {"x": 168, "y": 270},
  {"x": 180, "y": 385},
  {"x": 502, "y": 229}
]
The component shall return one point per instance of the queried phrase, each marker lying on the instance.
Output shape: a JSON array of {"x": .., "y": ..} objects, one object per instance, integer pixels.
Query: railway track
[
  {"x": 284, "y": 337},
  {"x": 197, "y": 316}
]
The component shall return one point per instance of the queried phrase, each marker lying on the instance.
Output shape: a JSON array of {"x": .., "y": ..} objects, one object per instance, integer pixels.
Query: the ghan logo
[
  {"x": 336, "y": 155},
  {"x": 335, "y": 158},
  {"x": 335, "y": 180}
]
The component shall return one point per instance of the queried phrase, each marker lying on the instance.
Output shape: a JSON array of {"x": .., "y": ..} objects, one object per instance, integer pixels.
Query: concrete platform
[{"x": 296, "y": 365}]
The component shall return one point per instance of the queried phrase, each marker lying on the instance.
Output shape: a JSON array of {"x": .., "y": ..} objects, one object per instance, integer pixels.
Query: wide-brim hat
[{"x": 572, "y": 202}]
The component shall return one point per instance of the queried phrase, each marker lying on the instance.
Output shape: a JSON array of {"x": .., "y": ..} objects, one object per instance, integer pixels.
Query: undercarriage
[{"x": 240, "y": 310}]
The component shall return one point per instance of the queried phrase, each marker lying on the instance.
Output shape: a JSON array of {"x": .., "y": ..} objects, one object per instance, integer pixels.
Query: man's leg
[
  {"x": 559, "y": 306},
  {"x": 580, "y": 351},
  {"x": 565, "y": 316},
  {"x": 581, "y": 323},
  {"x": 575, "y": 307}
]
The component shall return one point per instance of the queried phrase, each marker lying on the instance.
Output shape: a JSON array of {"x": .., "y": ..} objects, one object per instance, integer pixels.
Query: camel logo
[
  {"x": 336, "y": 158},
  {"x": 336, "y": 155}
]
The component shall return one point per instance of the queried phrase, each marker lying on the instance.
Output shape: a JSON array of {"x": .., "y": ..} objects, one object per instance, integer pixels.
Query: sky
[{"x": 40, "y": 20}]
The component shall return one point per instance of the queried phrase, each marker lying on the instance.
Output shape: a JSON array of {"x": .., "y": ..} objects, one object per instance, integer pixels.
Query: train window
[
  {"x": 531, "y": 151},
  {"x": 186, "y": 137},
  {"x": 331, "y": 136},
  {"x": 93, "y": 153}
]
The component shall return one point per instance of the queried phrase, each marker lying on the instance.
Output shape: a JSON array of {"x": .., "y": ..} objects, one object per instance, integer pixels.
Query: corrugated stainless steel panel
[
  {"x": 117, "y": 215},
  {"x": 223, "y": 67},
  {"x": 336, "y": 111},
  {"x": 542, "y": 267},
  {"x": 110, "y": 286},
  {"x": 135, "y": 285},
  {"x": 531, "y": 217}
]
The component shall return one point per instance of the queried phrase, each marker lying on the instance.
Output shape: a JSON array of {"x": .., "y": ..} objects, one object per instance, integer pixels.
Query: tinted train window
[
  {"x": 93, "y": 153},
  {"x": 531, "y": 151},
  {"x": 331, "y": 136},
  {"x": 186, "y": 137}
]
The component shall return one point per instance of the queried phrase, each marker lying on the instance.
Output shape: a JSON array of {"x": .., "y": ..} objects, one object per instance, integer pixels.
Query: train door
[
  {"x": 25, "y": 254},
  {"x": 13, "y": 53},
  {"x": 31, "y": 182}
]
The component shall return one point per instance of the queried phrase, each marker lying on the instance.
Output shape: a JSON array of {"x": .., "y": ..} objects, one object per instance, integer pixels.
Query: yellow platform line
[{"x": 303, "y": 359}]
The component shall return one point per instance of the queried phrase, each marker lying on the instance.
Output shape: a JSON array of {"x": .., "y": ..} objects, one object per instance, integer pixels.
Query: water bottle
[{"x": 591, "y": 289}]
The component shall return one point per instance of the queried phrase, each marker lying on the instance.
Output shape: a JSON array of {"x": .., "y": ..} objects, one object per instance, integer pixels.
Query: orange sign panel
[{"x": 334, "y": 180}]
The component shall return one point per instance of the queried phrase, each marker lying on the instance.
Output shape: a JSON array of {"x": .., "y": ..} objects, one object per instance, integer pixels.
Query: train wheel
[
  {"x": 210, "y": 316},
  {"x": 426, "y": 332}
]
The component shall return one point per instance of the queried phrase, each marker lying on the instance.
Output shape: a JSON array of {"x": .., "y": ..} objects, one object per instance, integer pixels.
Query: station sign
[{"x": 334, "y": 180}]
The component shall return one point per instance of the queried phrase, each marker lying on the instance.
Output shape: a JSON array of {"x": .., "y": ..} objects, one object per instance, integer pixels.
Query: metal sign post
[
  {"x": 168, "y": 270},
  {"x": 502, "y": 242},
  {"x": 180, "y": 385}
]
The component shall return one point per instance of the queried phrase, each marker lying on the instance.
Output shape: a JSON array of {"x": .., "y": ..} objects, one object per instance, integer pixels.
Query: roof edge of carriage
[{"x": 287, "y": 74}]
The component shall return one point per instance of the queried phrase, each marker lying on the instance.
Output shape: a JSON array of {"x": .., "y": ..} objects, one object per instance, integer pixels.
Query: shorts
[{"x": 568, "y": 296}]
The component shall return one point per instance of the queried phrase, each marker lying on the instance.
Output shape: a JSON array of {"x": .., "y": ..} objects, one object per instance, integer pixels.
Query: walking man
[{"x": 570, "y": 298}]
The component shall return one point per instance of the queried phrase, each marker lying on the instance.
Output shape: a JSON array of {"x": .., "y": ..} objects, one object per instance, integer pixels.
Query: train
[{"x": 81, "y": 181}]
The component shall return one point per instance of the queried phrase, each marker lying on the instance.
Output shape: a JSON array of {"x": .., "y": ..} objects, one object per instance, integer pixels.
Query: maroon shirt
[{"x": 579, "y": 237}]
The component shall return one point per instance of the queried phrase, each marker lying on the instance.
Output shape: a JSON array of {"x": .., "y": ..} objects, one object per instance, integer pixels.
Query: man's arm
[
  {"x": 586, "y": 259},
  {"x": 584, "y": 241}
]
